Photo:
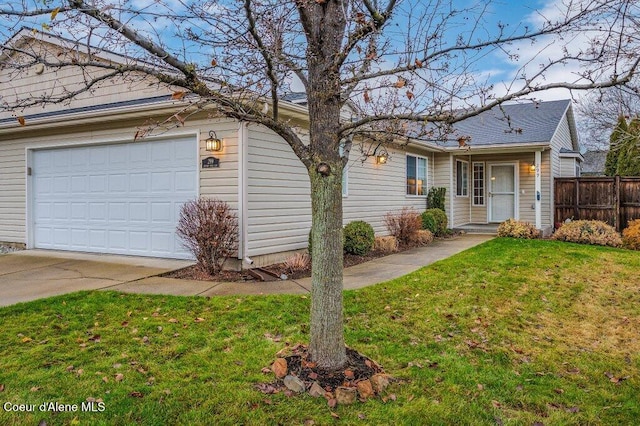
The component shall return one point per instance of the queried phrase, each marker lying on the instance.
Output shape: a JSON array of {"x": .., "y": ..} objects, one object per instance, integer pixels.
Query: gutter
[{"x": 520, "y": 147}]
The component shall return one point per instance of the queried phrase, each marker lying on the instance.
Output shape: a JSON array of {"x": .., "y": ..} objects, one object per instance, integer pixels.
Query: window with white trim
[
  {"x": 416, "y": 175},
  {"x": 462, "y": 178},
  {"x": 478, "y": 184}
]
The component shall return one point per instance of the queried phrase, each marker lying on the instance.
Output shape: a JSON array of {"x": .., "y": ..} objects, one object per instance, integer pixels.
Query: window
[
  {"x": 416, "y": 175},
  {"x": 478, "y": 184},
  {"x": 462, "y": 178}
]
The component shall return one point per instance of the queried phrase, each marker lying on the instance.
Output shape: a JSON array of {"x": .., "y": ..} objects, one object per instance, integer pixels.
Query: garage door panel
[
  {"x": 43, "y": 185},
  {"x": 161, "y": 182},
  {"x": 78, "y": 184},
  {"x": 79, "y": 211},
  {"x": 118, "y": 183},
  {"x": 79, "y": 239},
  {"x": 122, "y": 199},
  {"x": 185, "y": 182},
  {"x": 97, "y": 239},
  {"x": 61, "y": 236},
  {"x": 97, "y": 183},
  {"x": 138, "y": 212},
  {"x": 139, "y": 182},
  {"x": 97, "y": 212},
  {"x": 97, "y": 156},
  {"x": 60, "y": 160}
]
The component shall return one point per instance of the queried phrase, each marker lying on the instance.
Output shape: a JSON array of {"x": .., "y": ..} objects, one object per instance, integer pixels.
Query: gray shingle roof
[{"x": 530, "y": 122}]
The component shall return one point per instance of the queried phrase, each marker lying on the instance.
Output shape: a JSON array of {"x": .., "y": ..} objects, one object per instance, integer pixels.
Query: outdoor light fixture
[
  {"x": 213, "y": 143},
  {"x": 382, "y": 158},
  {"x": 381, "y": 154},
  {"x": 532, "y": 168}
]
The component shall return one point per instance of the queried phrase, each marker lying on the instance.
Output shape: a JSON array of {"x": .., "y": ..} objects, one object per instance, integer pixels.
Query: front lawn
[{"x": 509, "y": 332}]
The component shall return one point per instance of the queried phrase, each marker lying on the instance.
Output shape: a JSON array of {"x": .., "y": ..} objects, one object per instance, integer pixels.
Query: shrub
[
  {"x": 403, "y": 225},
  {"x": 388, "y": 244},
  {"x": 435, "y": 220},
  {"x": 358, "y": 238},
  {"x": 517, "y": 229},
  {"x": 424, "y": 237},
  {"x": 297, "y": 262},
  {"x": 209, "y": 230},
  {"x": 435, "y": 198},
  {"x": 588, "y": 232},
  {"x": 631, "y": 235}
]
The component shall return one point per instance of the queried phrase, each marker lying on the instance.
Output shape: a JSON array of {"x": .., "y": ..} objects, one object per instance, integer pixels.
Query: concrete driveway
[{"x": 34, "y": 274}]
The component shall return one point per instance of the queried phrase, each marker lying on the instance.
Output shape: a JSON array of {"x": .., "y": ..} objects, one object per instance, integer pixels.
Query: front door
[{"x": 502, "y": 192}]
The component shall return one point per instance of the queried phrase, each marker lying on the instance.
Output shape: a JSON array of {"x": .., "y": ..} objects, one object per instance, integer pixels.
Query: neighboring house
[
  {"x": 593, "y": 164},
  {"x": 75, "y": 177}
]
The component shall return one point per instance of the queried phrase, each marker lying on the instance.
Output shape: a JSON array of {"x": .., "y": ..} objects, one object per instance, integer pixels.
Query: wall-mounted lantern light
[
  {"x": 382, "y": 158},
  {"x": 532, "y": 168},
  {"x": 213, "y": 143}
]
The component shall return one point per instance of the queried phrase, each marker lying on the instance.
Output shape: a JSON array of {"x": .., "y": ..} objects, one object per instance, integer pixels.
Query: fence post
[
  {"x": 618, "y": 210},
  {"x": 576, "y": 200}
]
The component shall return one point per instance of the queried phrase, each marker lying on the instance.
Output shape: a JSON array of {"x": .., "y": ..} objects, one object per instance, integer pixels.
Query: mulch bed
[
  {"x": 194, "y": 273},
  {"x": 359, "y": 379},
  {"x": 357, "y": 368}
]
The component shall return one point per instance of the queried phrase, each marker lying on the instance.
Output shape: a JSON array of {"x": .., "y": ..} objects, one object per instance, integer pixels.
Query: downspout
[
  {"x": 538, "y": 188},
  {"x": 243, "y": 162}
]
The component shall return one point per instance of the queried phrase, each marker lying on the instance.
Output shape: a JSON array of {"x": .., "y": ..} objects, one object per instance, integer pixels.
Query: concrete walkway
[
  {"x": 34, "y": 274},
  {"x": 362, "y": 275}
]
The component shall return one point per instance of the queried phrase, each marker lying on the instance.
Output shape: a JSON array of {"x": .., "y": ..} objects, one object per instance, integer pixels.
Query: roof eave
[{"x": 499, "y": 148}]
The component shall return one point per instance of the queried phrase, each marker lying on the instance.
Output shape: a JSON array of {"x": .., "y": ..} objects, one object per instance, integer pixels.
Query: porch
[{"x": 478, "y": 228}]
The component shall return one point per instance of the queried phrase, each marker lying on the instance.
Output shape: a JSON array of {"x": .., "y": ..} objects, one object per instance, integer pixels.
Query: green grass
[{"x": 512, "y": 332}]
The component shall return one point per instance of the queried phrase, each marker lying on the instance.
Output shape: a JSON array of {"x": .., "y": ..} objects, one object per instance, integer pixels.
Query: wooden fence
[{"x": 615, "y": 200}]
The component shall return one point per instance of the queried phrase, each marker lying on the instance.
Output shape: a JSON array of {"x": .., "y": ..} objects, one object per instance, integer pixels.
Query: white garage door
[{"x": 121, "y": 198}]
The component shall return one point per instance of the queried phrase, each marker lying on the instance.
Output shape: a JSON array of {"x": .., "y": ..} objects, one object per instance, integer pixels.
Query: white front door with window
[{"x": 502, "y": 192}]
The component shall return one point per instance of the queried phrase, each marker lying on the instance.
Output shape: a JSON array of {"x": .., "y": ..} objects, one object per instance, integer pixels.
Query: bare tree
[
  {"x": 404, "y": 68},
  {"x": 600, "y": 111}
]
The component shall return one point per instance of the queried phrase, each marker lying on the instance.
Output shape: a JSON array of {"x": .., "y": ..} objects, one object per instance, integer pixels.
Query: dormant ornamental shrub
[
  {"x": 631, "y": 235},
  {"x": 209, "y": 230},
  {"x": 403, "y": 225},
  {"x": 517, "y": 229},
  {"x": 588, "y": 232}
]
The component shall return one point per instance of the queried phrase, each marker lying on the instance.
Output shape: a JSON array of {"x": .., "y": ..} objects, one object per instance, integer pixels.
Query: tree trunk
[
  {"x": 325, "y": 25},
  {"x": 327, "y": 344}
]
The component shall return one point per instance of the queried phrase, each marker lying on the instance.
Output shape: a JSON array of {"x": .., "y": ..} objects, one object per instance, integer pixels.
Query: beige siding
[
  {"x": 567, "y": 167},
  {"x": 26, "y": 84},
  {"x": 561, "y": 139},
  {"x": 377, "y": 189},
  {"x": 279, "y": 202},
  {"x": 221, "y": 182}
]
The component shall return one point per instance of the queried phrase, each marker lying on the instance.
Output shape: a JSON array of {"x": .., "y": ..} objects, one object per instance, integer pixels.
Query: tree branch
[{"x": 268, "y": 59}]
